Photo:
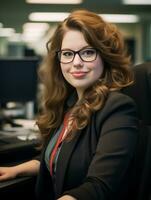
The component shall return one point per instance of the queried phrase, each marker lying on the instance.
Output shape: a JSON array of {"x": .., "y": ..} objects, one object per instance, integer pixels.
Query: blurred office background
[{"x": 26, "y": 25}]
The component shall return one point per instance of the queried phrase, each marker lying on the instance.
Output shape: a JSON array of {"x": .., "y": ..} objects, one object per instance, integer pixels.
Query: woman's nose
[{"x": 77, "y": 61}]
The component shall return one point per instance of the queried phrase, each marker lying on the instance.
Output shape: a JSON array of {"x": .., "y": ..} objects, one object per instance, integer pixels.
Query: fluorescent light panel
[
  {"x": 120, "y": 18},
  {"x": 34, "y": 31},
  {"x": 137, "y": 2},
  {"x": 54, "y": 1},
  {"x": 57, "y": 17},
  {"x": 16, "y": 37},
  {"x": 6, "y": 32},
  {"x": 49, "y": 17},
  {"x": 36, "y": 26}
]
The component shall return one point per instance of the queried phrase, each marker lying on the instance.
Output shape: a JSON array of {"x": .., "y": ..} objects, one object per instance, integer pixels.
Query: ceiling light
[
  {"x": 51, "y": 17},
  {"x": 31, "y": 36},
  {"x": 54, "y": 1},
  {"x": 137, "y": 2},
  {"x": 16, "y": 37},
  {"x": 57, "y": 17},
  {"x": 34, "y": 31},
  {"x": 36, "y": 26},
  {"x": 6, "y": 32},
  {"x": 120, "y": 18}
]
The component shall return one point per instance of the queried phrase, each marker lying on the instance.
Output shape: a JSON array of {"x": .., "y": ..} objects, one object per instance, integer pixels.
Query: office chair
[{"x": 140, "y": 91}]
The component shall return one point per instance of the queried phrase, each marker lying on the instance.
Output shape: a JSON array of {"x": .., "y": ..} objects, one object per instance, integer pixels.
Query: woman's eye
[
  {"x": 88, "y": 52},
  {"x": 67, "y": 54}
]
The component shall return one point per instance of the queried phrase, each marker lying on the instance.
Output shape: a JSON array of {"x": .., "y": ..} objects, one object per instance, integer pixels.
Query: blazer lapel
[{"x": 63, "y": 159}]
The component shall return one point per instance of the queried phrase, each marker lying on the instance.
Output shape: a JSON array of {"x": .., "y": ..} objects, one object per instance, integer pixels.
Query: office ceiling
[{"x": 15, "y": 13}]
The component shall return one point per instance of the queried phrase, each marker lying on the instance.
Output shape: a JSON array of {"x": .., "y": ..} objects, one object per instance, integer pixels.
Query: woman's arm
[{"x": 25, "y": 169}]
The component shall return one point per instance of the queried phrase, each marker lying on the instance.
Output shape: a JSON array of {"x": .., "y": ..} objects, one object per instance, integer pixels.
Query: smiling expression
[{"x": 78, "y": 73}]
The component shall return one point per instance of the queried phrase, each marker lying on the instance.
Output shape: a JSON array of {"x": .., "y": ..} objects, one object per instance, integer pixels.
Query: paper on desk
[
  {"x": 26, "y": 123},
  {"x": 28, "y": 131}
]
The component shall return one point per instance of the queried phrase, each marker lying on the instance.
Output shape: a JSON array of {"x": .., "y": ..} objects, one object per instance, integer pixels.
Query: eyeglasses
[{"x": 67, "y": 55}]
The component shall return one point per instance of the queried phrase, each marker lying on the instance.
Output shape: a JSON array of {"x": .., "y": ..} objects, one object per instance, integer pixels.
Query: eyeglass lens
[{"x": 87, "y": 55}]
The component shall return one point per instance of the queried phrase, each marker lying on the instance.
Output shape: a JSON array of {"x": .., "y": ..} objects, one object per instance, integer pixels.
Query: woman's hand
[
  {"x": 29, "y": 168},
  {"x": 66, "y": 197},
  {"x": 7, "y": 173}
]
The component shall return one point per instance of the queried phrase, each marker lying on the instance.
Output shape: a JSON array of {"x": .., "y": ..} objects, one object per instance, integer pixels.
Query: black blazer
[{"x": 96, "y": 163}]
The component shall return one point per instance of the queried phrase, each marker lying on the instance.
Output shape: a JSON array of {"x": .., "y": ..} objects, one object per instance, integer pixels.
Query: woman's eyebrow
[{"x": 88, "y": 46}]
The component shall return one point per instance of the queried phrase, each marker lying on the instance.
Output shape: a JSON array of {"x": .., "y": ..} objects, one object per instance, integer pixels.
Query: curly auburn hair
[{"x": 117, "y": 74}]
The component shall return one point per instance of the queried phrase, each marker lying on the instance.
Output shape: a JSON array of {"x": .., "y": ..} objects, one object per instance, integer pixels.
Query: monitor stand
[{"x": 29, "y": 110}]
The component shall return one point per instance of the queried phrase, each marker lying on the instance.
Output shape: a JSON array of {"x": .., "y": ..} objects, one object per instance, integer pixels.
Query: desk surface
[
  {"x": 14, "y": 141},
  {"x": 15, "y": 148},
  {"x": 18, "y": 188},
  {"x": 9, "y": 183}
]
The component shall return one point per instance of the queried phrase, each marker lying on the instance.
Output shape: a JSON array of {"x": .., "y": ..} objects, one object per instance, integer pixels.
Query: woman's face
[{"x": 79, "y": 73}]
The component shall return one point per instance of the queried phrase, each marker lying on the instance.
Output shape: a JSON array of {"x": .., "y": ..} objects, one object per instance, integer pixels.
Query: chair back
[{"x": 140, "y": 91}]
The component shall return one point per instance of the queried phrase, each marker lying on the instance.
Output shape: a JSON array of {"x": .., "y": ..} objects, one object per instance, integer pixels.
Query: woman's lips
[{"x": 79, "y": 74}]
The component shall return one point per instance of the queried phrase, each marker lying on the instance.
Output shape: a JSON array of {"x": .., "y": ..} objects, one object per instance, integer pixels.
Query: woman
[{"x": 89, "y": 128}]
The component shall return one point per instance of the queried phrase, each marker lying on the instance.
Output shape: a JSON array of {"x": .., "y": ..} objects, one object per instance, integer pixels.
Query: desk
[
  {"x": 19, "y": 188},
  {"x": 15, "y": 151}
]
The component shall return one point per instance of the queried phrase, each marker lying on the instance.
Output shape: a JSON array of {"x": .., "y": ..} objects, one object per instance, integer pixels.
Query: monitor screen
[{"x": 18, "y": 79}]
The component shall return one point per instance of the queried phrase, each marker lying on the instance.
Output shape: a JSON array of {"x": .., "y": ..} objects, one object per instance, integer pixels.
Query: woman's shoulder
[
  {"x": 118, "y": 109},
  {"x": 117, "y": 101},
  {"x": 117, "y": 97}
]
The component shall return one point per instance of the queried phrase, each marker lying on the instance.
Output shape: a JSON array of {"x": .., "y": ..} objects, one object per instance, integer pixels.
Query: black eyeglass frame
[{"x": 75, "y": 52}]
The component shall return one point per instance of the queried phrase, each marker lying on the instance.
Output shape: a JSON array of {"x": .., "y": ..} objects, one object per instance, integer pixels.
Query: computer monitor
[{"x": 18, "y": 79}]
